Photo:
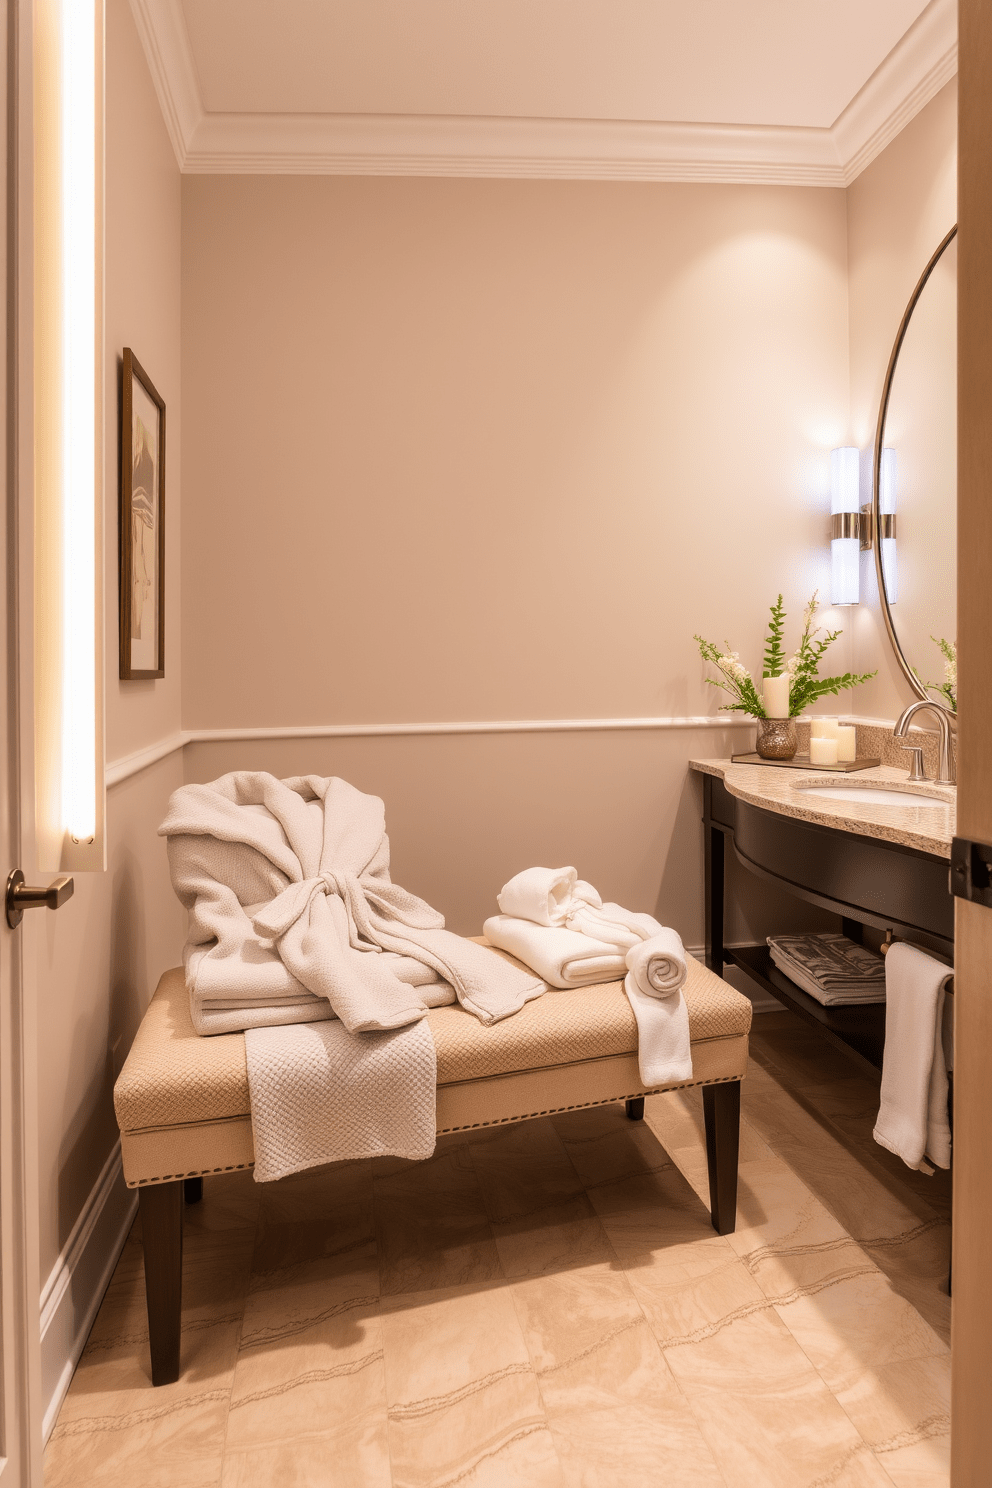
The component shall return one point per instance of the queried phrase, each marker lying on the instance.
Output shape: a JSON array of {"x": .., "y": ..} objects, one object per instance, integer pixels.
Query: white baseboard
[{"x": 71, "y": 1296}]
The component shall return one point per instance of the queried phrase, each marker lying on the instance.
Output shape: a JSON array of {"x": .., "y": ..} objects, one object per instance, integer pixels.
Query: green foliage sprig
[
  {"x": 803, "y": 666},
  {"x": 948, "y": 689},
  {"x": 774, "y": 660}
]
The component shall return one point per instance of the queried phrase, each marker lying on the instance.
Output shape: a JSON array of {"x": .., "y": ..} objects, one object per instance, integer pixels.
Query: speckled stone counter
[{"x": 928, "y": 828}]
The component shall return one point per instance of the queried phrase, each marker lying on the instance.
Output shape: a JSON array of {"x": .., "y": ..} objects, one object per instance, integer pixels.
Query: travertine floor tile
[
  {"x": 522, "y": 1170},
  {"x": 462, "y": 1397},
  {"x": 766, "y": 1414},
  {"x": 432, "y": 1226},
  {"x": 850, "y": 1327},
  {"x": 918, "y": 1267},
  {"x": 904, "y": 1412},
  {"x": 786, "y": 1238},
  {"x": 616, "y": 1413},
  {"x": 604, "y": 1145},
  {"x": 651, "y": 1212}
]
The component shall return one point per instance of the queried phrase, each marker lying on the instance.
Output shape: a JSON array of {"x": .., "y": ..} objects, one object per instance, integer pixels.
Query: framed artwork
[{"x": 142, "y": 524}]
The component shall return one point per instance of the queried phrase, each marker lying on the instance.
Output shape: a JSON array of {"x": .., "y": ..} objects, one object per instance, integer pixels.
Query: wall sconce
[
  {"x": 845, "y": 525},
  {"x": 852, "y": 526}
]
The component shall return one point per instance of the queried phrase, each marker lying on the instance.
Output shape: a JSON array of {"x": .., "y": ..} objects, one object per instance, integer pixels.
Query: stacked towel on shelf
[
  {"x": 912, "y": 1118},
  {"x": 832, "y": 968},
  {"x": 557, "y": 924},
  {"x": 294, "y": 919}
]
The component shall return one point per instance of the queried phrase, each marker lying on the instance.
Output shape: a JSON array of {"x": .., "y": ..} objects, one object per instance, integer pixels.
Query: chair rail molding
[
  {"x": 127, "y": 765},
  {"x": 420, "y": 145}
]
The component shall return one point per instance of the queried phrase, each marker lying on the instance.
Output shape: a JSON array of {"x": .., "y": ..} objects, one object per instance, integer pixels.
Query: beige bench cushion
[{"x": 183, "y": 1106}]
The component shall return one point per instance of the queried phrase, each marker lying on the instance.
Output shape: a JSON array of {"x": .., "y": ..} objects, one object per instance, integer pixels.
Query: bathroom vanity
[{"x": 883, "y": 860}]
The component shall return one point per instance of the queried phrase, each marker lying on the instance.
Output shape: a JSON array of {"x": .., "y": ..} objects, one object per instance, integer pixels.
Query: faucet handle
[{"x": 916, "y": 770}]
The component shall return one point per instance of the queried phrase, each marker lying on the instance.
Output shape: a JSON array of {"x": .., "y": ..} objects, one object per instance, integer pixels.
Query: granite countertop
[{"x": 926, "y": 827}]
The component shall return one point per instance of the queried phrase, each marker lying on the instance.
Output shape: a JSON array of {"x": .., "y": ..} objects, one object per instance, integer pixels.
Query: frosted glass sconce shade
[{"x": 845, "y": 525}]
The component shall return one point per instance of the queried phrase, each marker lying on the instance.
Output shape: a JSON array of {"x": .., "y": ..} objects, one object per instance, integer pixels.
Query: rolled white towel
[
  {"x": 563, "y": 958},
  {"x": 541, "y": 895},
  {"x": 653, "y": 984},
  {"x": 658, "y": 965}
]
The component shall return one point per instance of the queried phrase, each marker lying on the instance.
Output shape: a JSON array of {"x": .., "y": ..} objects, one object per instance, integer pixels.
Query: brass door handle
[{"x": 20, "y": 896}]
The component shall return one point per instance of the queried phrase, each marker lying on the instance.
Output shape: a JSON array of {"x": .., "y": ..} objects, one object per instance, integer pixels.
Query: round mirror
[{"x": 915, "y": 484}]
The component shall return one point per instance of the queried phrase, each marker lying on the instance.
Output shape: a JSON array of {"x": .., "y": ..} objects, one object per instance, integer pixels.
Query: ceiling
[{"x": 779, "y": 90}]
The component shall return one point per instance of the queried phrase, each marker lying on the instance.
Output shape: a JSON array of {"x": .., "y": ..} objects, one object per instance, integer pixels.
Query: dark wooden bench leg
[
  {"x": 722, "y": 1117},
  {"x": 192, "y": 1190},
  {"x": 635, "y": 1108},
  {"x": 161, "y": 1206}
]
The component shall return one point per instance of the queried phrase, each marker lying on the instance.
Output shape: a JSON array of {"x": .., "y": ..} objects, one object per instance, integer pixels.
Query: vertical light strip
[
  {"x": 78, "y": 372},
  {"x": 844, "y": 501}
]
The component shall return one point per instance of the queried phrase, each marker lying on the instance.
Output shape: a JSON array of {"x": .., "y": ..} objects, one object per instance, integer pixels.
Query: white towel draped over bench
[{"x": 294, "y": 919}]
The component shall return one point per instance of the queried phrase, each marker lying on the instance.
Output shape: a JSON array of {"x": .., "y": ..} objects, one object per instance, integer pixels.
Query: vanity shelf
[{"x": 860, "y": 1028}]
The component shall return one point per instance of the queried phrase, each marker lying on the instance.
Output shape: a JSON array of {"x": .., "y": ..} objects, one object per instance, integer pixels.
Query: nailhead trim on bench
[{"x": 474, "y": 1126}]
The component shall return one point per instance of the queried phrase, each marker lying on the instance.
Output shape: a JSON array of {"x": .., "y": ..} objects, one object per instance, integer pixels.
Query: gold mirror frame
[{"x": 876, "y": 482}]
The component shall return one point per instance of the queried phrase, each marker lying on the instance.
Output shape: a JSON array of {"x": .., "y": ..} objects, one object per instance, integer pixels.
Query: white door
[{"x": 20, "y": 1374}]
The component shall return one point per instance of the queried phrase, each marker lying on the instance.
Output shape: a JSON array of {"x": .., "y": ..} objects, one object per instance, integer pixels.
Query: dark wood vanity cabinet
[{"x": 865, "y": 880}]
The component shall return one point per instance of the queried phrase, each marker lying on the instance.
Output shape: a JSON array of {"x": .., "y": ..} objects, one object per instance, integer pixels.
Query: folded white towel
[
  {"x": 320, "y": 1094},
  {"x": 656, "y": 972},
  {"x": 542, "y": 895},
  {"x": 562, "y": 958},
  {"x": 912, "y": 1118}
]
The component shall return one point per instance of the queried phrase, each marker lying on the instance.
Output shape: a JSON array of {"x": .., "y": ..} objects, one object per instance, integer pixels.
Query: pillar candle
[
  {"x": 823, "y": 751},
  {"x": 846, "y": 743},
  {"x": 823, "y": 728},
  {"x": 776, "y": 696}
]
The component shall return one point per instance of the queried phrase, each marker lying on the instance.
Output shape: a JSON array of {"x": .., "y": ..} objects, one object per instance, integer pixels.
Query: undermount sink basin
[{"x": 873, "y": 795}]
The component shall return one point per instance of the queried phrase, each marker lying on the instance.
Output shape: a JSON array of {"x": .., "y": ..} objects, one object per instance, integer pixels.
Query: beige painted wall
[
  {"x": 495, "y": 450},
  {"x": 96, "y": 962},
  {"x": 898, "y": 211}
]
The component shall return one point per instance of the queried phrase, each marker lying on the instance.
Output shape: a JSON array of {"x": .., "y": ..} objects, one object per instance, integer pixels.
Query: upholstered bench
[{"x": 183, "y": 1108}]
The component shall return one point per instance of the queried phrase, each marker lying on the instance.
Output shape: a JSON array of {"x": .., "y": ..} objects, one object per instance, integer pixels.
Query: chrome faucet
[{"x": 946, "y": 772}]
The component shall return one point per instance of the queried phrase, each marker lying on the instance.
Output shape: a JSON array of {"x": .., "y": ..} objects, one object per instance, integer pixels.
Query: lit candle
[
  {"x": 823, "y": 751},
  {"x": 776, "y": 697},
  {"x": 823, "y": 728},
  {"x": 846, "y": 743}
]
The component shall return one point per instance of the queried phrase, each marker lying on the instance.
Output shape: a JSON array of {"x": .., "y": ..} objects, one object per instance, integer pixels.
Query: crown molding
[{"x": 543, "y": 149}]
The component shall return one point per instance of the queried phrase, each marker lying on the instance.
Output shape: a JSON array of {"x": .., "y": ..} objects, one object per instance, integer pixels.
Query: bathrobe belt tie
[{"x": 279, "y": 916}]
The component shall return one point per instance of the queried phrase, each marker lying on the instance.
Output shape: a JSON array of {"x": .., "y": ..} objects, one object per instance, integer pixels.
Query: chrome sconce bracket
[{"x": 862, "y": 526}]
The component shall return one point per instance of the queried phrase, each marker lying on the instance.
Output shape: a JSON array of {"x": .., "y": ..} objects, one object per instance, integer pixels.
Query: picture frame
[{"x": 141, "y": 524}]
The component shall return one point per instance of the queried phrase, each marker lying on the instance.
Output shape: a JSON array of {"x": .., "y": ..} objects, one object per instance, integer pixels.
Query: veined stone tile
[
  {"x": 522, "y": 1170},
  {"x": 768, "y": 1417},
  {"x": 604, "y": 1145},
  {"x": 163, "y": 1439},
  {"x": 462, "y": 1397},
  {"x": 432, "y": 1226},
  {"x": 903, "y": 1411},
  {"x": 786, "y": 1238},
  {"x": 854, "y": 1325}
]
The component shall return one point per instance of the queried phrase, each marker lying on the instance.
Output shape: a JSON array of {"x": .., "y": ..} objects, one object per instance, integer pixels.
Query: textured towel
[
  {"x": 320, "y": 1094},
  {"x": 656, "y": 972},
  {"x": 563, "y": 958},
  {"x": 912, "y": 1118},
  {"x": 288, "y": 888}
]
